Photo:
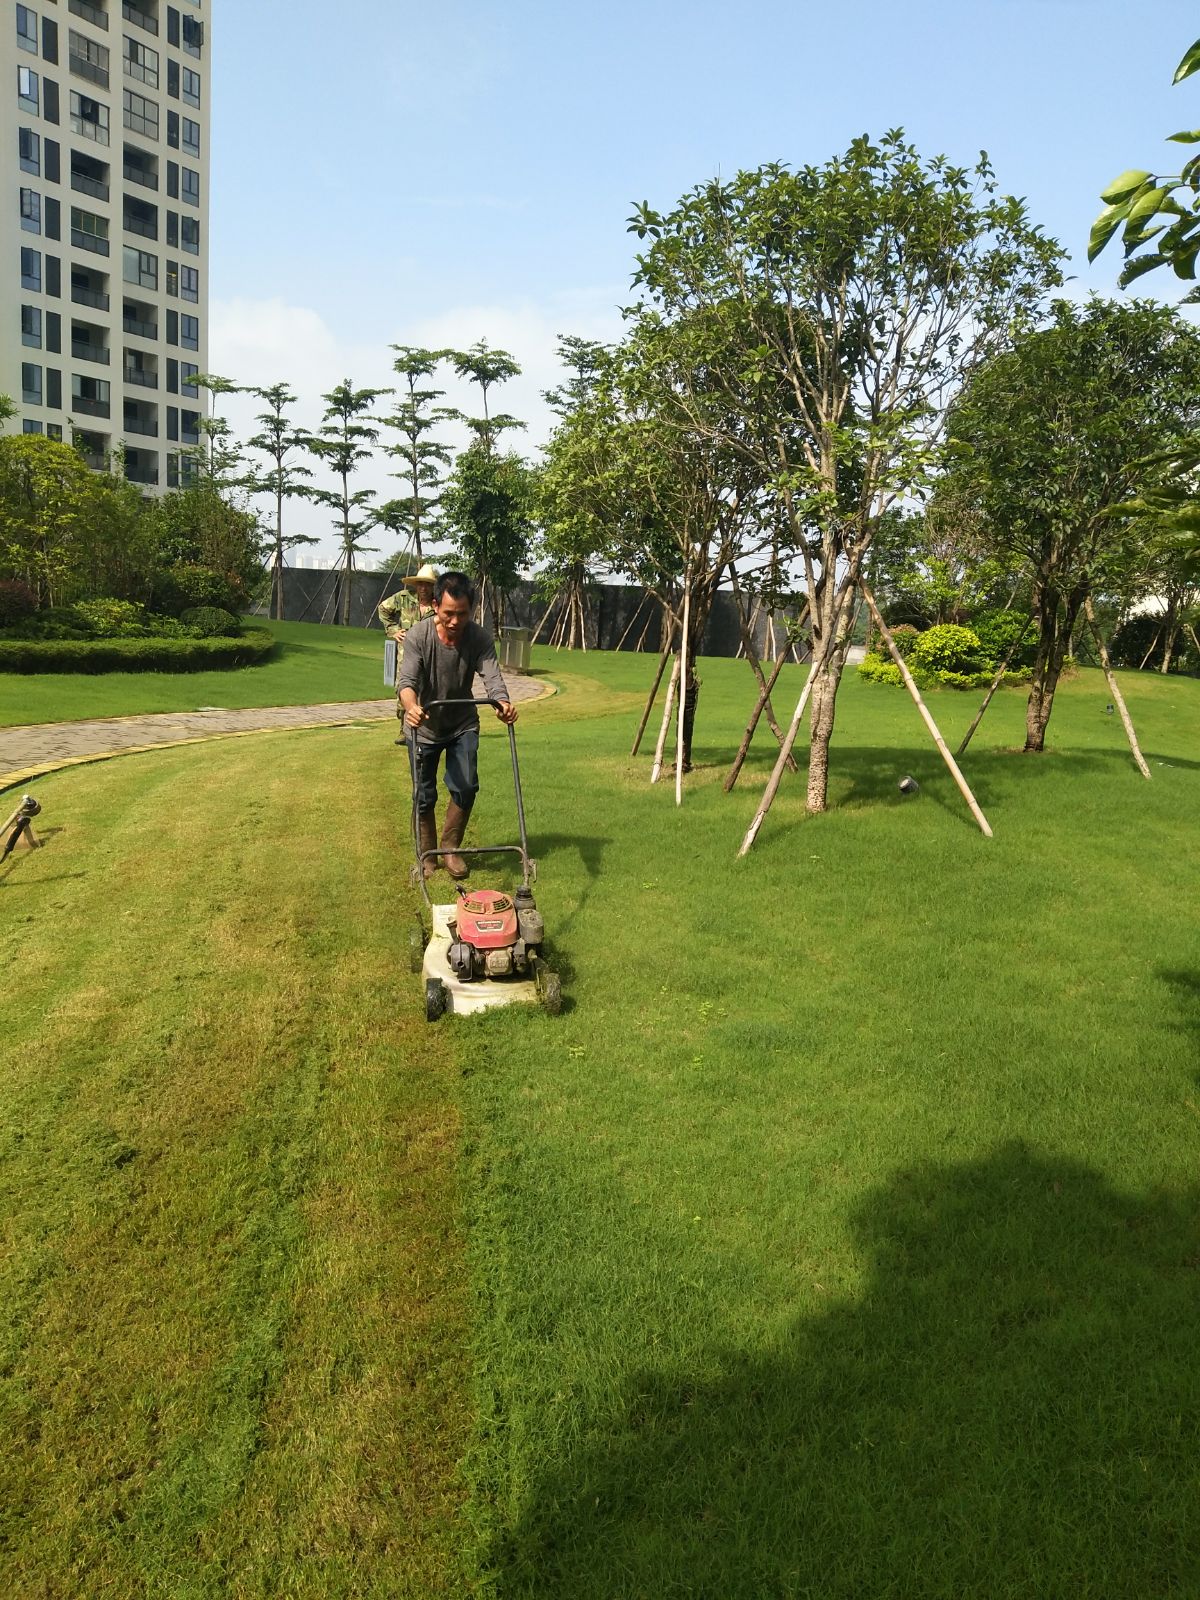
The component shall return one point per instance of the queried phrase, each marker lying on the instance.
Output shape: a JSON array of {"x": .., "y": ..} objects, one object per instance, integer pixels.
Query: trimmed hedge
[{"x": 135, "y": 655}]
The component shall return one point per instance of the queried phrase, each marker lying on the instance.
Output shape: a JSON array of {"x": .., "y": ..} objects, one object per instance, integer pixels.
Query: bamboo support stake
[
  {"x": 1150, "y": 652},
  {"x": 681, "y": 709},
  {"x": 662, "y": 663},
  {"x": 1192, "y": 631},
  {"x": 666, "y": 723},
  {"x": 764, "y": 696},
  {"x": 785, "y": 750},
  {"x": 996, "y": 682},
  {"x": 1118, "y": 697},
  {"x": 943, "y": 749}
]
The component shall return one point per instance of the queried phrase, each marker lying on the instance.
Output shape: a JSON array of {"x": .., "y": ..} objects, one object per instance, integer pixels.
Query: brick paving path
[{"x": 28, "y": 752}]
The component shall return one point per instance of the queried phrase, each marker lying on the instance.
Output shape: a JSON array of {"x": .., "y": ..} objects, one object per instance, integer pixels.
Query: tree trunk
[
  {"x": 1054, "y": 635},
  {"x": 838, "y": 608}
]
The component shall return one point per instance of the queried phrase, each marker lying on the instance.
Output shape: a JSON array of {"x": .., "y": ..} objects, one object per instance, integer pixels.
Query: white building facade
[{"x": 104, "y": 160}]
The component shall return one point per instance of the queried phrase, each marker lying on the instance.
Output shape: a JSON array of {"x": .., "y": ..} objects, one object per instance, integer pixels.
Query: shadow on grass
[
  {"x": 1008, "y": 1409},
  {"x": 1185, "y": 988}
]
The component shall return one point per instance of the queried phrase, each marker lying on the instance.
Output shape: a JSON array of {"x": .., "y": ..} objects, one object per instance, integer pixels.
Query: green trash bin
[{"x": 514, "y": 648}]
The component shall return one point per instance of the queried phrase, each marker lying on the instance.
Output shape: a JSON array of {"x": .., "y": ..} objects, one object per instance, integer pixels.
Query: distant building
[{"x": 104, "y": 147}]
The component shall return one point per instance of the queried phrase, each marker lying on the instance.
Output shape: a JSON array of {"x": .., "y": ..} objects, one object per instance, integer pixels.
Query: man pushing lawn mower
[{"x": 442, "y": 654}]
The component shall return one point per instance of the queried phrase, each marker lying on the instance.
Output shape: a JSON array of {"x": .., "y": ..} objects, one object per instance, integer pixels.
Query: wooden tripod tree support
[
  {"x": 662, "y": 662},
  {"x": 680, "y": 713},
  {"x": 818, "y": 666},
  {"x": 1118, "y": 697},
  {"x": 764, "y": 697},
  {"x": 746, "y": 629},
  {"x": 995, "y": 684},
  {"x": 910, "y": 685},
  {"x": 666, "y": 723}
]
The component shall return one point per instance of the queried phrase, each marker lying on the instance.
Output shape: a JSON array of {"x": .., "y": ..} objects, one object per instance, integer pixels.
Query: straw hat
[{"x": 427, "y": 574}]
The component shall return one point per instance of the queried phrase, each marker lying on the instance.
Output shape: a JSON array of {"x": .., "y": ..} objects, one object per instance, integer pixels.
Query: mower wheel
[
  {"x": 549, "y": 989},
  {"x": 416, "y": 947},
  {"x": 435, "y": 999}
]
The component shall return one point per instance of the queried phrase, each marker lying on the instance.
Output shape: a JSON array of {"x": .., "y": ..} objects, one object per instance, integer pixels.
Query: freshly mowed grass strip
[
  {"x": 314, "y": 664},
  {"x": 842, "y": 1237},
  {"x": 232, "y": 1299}
]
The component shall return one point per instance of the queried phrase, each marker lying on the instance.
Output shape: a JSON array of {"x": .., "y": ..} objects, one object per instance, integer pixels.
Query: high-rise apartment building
[{"x": 104, "y": 197}]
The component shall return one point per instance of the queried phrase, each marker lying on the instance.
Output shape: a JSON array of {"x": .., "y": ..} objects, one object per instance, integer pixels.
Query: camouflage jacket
[{"x": 401, "y": 610}]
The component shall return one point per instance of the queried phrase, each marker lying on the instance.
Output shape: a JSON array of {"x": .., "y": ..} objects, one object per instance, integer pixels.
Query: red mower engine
[{"x": 495, "y": 936}]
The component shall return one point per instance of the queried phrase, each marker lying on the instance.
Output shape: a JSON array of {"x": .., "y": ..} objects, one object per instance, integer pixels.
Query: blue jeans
[{"x": 462, "y": 768}]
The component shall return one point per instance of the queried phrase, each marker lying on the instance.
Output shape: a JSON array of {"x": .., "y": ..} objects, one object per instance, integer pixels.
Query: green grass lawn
[
  {"x": 313, "y": 665},
  {"x": 840, "y": 1238}
]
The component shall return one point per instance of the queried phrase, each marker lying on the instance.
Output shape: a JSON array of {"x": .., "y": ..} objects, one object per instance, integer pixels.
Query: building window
[
  {"x": 89, "y": 231},
  {"x": 172, "y": 375},
  {"x": 27, "y": 89},
  {"x": 193, "y": 35},
  {"x": 30, "y": 145},
  {"x": 54, "y": 431},
  {"x": 141, "y": 115},
  {"x": 88, "y": 59},
  {"x": 31, "y": 211},
  {"x": 53, "y": 332},
  {"x": 187, "y": 379},
  {"x": 172, "y": 327},
  {"x": 189, "y": 283},
  {"x": 89, "y": 117},
  {"x": 31, "y": 384},
  {"x": 29, "y": 425},
  {"x": 171, "y": 282},
  {"x": 141, "y": 62},
  {"x": 140, "y": 267},
  {"x": 189, "y": 235},
  {"x": 189, "y": 189},
  {"x": 173, "y": 229},
  {"x": 173, "y": 79},
  {"x": 31, "y": 326},
  {"x": 27, "y": 29},
  {"x": 191, "y": 86},
  {"x": 173, "y": 422},
  {"x": 189, "y": 332},
  {"x": 31, "y": 268},
  {"x": 173, "y": 129},
  {"x": 190, "y": 136}
]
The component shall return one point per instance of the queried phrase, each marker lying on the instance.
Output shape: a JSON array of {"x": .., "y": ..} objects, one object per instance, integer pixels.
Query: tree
[
  {"x": 46, "y": 495},
  {"x": 343, "y": 443},
  {"x": 279, "y": 440},
  {"x": 836, "y": 310},
  {"x": 425, "y": 458},
  {"x": 1157, "y": 211},
  {"x": 487, "y": 368},
  {"x": 489, "y": 502},
  {"x": 1050, "y": 437}
]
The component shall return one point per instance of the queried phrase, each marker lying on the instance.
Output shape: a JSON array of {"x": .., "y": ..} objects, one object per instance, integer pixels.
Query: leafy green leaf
[
  {"x": 1137, "y": 269},
  {"x": 1121, "y": 188},
  {"x": 1189, "y": 64},
  {"x": 1185, "y": 137},
  {"x": 1105, "y": 225}
]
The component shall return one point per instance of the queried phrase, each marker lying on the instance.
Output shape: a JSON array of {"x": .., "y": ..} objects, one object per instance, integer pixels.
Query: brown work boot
[
  {"x": 427, "y": 839},
  {"x": 452, "y": 837}
]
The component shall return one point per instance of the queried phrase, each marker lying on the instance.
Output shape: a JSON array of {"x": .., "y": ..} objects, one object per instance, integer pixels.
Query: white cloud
[{"x": 263, "y": 342}]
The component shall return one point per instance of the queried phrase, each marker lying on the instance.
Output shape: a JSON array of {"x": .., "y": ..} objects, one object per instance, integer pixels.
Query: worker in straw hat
[{"x": 400, "y": 610}]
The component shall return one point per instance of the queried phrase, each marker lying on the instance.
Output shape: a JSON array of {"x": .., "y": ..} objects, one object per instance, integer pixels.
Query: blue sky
[{"x": 387, "y": 173}]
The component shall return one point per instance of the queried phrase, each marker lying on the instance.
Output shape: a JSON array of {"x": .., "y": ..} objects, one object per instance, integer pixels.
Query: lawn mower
[{"x": 486, "y": 949}]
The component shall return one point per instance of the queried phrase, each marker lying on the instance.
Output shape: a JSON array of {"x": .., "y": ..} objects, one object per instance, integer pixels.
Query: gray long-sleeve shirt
[{"x": 437, "y": 671}]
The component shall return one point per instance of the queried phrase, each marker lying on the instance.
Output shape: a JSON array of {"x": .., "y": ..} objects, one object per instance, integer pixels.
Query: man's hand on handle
[{"x": 506, "y": 711}]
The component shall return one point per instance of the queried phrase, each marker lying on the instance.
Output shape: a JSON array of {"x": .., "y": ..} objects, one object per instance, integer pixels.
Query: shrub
[
  {"x": 949, "y": 652},
  {"x": 875, "y": 669},
  {"x": 17, "y": 601},
  {"x": 997, "y": 630},
  {"x": 178, "y": 589},
  {"x": 209, "y": 621},
  {"x": 112, "y": 619},
  {"x": 906, "y": 637},
  {"x": 134, "y": 655}
]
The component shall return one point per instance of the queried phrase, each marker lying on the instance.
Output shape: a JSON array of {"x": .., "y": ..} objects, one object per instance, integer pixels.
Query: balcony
[
  {"x": 140, "y": 328},
  {"x": 146, "y": 426},
  {"x": 142, "y": 377},
  {"x": 86, "y": 185},
  {"x": 83, "y": 68},
  {"x": 148, "y": 230},
  {"x": 87, "y": 129},
  {"x": 89, "y": 241},
  {"x": 89, "y": 297},
  {"x": 141, "y": 471},
  {"x": 139, "y": 18},
  {"x": 89, "y": 408},
  {"x": 82, "y": 351},
  {"x": 89, "y": 13},
  {"x": 142, "y": 175}
]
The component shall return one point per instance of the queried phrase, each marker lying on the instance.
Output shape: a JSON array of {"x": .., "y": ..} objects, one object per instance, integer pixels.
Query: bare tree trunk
[
  {"x": 748, "y": 646},
  {"x": 824, "y": 698},
  {"x": 685, "y": 683},
  {"x": 666, "y": 722},
  {"x": 1054, "y": 636},
  {"x": 1114, "y": 690},
  {"x": 996, "y": 682}
]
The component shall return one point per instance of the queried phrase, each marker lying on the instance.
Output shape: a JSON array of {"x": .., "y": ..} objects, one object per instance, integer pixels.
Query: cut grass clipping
[{"x": 839, "y": 1239}]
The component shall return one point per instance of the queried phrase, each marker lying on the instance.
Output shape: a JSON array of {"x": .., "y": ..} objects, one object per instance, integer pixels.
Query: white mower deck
[{"x": 465, "y": 998}]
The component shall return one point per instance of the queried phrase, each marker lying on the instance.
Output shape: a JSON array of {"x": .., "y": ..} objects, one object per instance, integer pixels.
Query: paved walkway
[{"x": 29, "y": 752}]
